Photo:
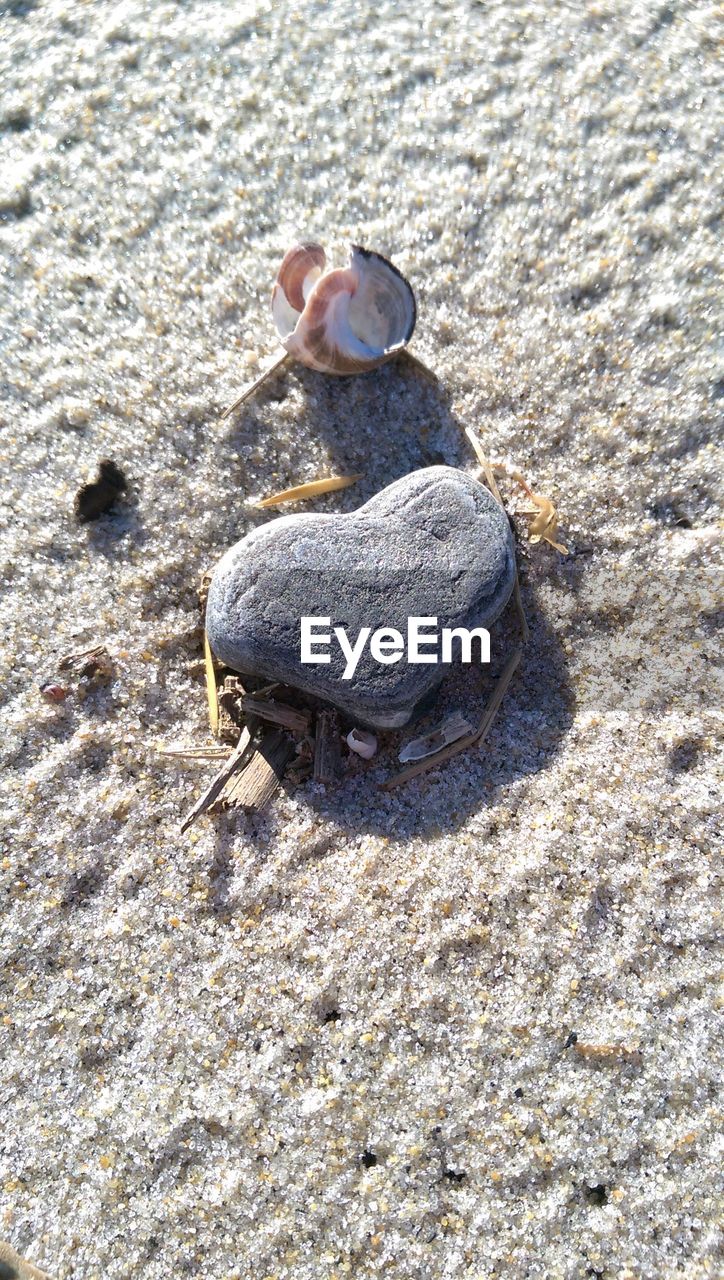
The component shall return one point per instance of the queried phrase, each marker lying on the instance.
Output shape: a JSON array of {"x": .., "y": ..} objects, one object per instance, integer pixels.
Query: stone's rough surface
[{"x": 433, "y": 544}]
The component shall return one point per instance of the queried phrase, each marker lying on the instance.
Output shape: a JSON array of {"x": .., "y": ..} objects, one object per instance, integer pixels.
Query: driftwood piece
[
  {"x": 258, "y": 783},
  {"x": 470, "y": 739},
  {"x": 13, "y": 1267},
  {"x": 277, "y": 713},
  {"x": 73, "y": 659},
  {"x": 236, "y": 762},
  {"x": 326, "y": 747}
]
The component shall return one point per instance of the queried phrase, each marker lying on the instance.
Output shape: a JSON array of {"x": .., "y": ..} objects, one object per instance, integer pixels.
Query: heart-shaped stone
[{"x": 434, "y": 544}]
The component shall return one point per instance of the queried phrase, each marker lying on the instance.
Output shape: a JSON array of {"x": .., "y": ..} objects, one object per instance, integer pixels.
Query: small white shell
[
  {"x": 365, "y": 744},
  {"x": 343, "y": 321},
  {"x": 449, "y": 730}
]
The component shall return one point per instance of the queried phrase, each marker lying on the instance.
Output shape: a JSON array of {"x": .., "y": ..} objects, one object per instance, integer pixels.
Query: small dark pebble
[
  {"x": 369, "y": 1159},
  {"x": 597, "y": 1195},
  {"x": 518, "y": 1093},
  {"x": 685, "y": 754},
  {"x": 92, "y": 500},
  {"x": 454, "y": 1176},
  {"x": 572, "y": 1039}
]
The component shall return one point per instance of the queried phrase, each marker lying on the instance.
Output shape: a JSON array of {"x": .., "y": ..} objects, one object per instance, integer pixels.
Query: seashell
[
  {"x": 362, "y": 742},
  {"x": 449, "y": 730},
  {"x": 346, "y": 320}
]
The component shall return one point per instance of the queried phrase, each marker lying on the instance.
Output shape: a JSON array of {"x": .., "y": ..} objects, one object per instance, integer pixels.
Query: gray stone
[{"x": 433, "y": 544}]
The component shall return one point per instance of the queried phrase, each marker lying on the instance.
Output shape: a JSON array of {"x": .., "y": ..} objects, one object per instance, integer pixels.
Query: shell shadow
[{"x": 383, "y": 424}]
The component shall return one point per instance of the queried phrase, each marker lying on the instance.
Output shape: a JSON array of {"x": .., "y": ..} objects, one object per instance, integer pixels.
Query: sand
[{"x": 467, "y": 1028}]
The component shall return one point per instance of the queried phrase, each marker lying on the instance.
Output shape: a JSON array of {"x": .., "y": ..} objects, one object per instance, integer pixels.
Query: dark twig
[
  {"x": 277, "y": 713},
  {"x": 326, "y": 747}
]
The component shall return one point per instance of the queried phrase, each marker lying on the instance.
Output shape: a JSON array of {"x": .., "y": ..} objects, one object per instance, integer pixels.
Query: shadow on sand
[{"x": 386, "y": 424}]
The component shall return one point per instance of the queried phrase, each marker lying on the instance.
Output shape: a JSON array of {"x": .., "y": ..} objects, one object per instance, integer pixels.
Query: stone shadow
[
  {"x": 386, "y": 424},
  {"x": 528, "y": 731},
  {"x": 530, "y": 726}
]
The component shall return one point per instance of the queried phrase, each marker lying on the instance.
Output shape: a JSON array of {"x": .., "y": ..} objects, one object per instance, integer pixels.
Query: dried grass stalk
[
  {"x": 310, "y": 490},
  {"x": 248, "y": 391},
  {"x": 212, "y": 695}
]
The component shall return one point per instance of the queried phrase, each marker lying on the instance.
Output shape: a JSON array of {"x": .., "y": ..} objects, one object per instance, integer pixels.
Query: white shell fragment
[
  {"x": 449, "y": 730},
  {"x": 363, "y": 743},
  {"x": 343, "y": 321}
]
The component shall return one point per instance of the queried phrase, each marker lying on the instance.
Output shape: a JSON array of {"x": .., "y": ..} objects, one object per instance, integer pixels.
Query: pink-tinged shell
[
  {"x": 302, "y": 265},
  {"x": 343, "y": 321}
]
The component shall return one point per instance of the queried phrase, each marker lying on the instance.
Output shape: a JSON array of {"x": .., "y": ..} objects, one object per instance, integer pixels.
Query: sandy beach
[{"x": 467, "y": 1029}]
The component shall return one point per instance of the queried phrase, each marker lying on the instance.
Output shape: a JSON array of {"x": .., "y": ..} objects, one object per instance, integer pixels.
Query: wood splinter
[
  {"x": 17, "y": 1268},
  {"x": 235, "y": 763},
  {"x": 326, "y": 747},
  {"x": 253, "y": 789},
  {"x": 277, "y": 713}
]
